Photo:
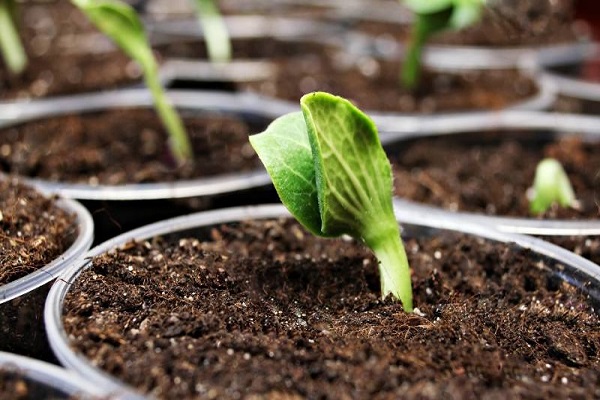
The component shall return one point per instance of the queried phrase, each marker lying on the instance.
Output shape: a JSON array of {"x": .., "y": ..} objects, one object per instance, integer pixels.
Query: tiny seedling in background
[
  {"x": 11, "y": 46},
  {"x": 330, "y": 171},
  {"x": 550, "y": 185},
  {"x": 121, "y": 23},
  {"x": 218, "y": 44},
  {"x": 430, "y": 17}
]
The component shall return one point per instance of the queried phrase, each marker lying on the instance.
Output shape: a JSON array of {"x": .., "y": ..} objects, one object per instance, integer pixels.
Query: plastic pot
[
  {"x": 21, "y": 301},
  {"x": 133, "y": 204},
  {"x": 588, "y": 127},
  {"x": 580, "y": 88},
  {"x": 415, "y": 221},
  {"x": 47, "y": 381}
]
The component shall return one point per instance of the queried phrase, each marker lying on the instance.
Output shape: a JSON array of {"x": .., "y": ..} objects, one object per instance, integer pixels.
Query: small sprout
[
  {"x": 218, "y": 44},
  {"x": 330, "y": 171},
  {"x": 11, "y": 47},
  {"x": 121, "y": 23},
  {"x": 550, "y": 185},
  {"x": 432, "y": 16}
]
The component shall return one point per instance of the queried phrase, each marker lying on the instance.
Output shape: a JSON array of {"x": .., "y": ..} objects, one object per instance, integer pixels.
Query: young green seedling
[
  {"x": 550, "y": 185},
  {"x": 120, "y": 22},
  {"x": 330, "y": 171},
  {"x": 432, "y": 16},
  {"x": 11, "y": 47},
  {"x": 218, "y": 44}
]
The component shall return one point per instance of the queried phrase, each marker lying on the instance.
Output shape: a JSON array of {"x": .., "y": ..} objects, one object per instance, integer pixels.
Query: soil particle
[
  {"x": 13, "y": 386},
  {"x": 266, "y": 310}
]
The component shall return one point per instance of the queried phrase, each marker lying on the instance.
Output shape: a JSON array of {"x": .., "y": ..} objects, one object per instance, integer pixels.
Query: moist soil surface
[
  {"x": 491, "y": 173},
  {"x": 265, "y": 310},
  {"x": 66, "y": 54},
  {"x": 124, "y": 146},
  {"x": 511, "y": 23},
  {"x": 33, "y": 230}
]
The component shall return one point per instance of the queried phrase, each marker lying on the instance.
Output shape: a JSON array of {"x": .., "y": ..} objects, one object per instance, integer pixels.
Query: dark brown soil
[
  {"x": 375, "y": 85},
  {"x": 269, "y": 311},
  {"x": 585, "y": 246},
  {"x": 470, "y": 173},
  {"x": 33, "y": 230},
  {"x": 64, "y": 55},
  {"x": 13, "y": 386},
  {"x": 123, "y": 146},
  {"x": 509, "y": 23}
]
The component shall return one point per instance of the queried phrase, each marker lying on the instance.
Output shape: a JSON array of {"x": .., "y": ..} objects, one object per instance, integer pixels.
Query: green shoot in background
[
  {"x": 432, "y": 16},
  {"x": 330, "y": 171},
  {"x": 218, "y": 44},
  {"x": 550, "y": 185},
  {"x": 11, "y": 47},
  {"x": 121, "y": 23}
]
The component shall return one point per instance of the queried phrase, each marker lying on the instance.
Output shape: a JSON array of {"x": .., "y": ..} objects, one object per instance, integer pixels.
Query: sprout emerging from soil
[
  {"x": 11, "y": 47},
  {"x": 432, "y": 16},
  {"x": 218, "y": 44},
  {"x": 121, "y": 23},
  {"x": 551, "y": 185},
  {"x": 330, "y": 171}
]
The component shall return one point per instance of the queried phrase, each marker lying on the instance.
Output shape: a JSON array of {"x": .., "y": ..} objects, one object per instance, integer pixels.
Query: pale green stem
[
  {"x": 394, "y": 270},
  {"x": 218, "y": 44},
  {"x": 10, "y": 43},
  {"x": 178, "y": 139}
]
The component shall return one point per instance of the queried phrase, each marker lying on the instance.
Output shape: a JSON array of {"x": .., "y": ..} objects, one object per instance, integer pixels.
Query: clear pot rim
[
  {"x": 83, "y": 241},
  {"x": 585, "y": 274}
]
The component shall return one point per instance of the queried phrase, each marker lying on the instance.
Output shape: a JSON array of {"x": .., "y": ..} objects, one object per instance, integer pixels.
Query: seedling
[
  {"x": 432, "y": 16},
  {"x": 11, "y": 47},
  {"x": 551, "y": 185},
  {"x": 121, "y": 23},
  {"x": 330, "y": 171},
  {"x": 218, "y": 44}
]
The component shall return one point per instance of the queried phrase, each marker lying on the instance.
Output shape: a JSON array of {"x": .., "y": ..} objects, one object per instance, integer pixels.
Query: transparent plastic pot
[
  {"x": 415, "y": 221},
  {"x": 50, "y": 381},
  {"x": 588, "y": 127},
  {"x": 22, "y": 300},
  {"x": 118, "y": 208}
]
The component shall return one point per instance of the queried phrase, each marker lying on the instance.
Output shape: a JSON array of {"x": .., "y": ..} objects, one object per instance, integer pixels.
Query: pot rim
[
  {"x": 243, "y": 104},
  {"x": 589, "y": 126},
  {"x": 572, "y": 86},
  {"x": 82, "y": 243},
  {"x": 581, "y": 272},
  {"x": 50, "y": 375}
]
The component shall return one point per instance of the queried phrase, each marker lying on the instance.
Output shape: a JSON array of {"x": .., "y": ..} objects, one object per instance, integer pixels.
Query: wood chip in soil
[{"x": 266, "y": 310}]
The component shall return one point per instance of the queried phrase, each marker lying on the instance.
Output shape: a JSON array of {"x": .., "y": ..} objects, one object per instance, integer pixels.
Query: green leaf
[
  {"x": 285, "y": 151},
  {"x": 121, "y": 23},
  {"x": 331, "y": 172},
  {"x": 11, "y": 46},
  {"x": 551, "y": 185},
  {"x": 353, "y": 174}
]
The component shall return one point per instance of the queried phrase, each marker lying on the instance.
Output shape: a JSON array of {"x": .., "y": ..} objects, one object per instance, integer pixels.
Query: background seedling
[
  {"x": 551, "y": 185},
  {"x": 432, "y": 16},
  {"x": 12, "y": 49},
  {"x": 330, "y": 171},
  {"x": 218, "y": 44},
  {"x": 121, "y": 23}
]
